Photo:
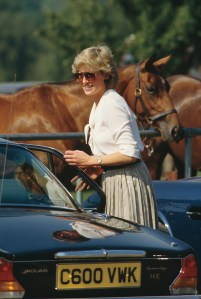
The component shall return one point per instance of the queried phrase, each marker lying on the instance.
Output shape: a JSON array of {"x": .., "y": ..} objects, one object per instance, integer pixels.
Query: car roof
[{"x": 3, "y": 140}]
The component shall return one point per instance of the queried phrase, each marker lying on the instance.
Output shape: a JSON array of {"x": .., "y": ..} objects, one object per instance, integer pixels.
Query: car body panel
[
  {"x": 179, "y": 204},
  {"x": 34, "y": 229},
  {"x": 50, "y": 247},
  {"x": 46, "y": 249}
]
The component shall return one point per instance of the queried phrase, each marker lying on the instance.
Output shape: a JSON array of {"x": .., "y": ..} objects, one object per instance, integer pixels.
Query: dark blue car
[
  {"x": 50, "y": 247},
  {"x": 179, "y": 206}
]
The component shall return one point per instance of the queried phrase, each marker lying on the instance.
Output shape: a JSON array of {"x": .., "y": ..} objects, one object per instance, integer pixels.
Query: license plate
[{"x": 92, "y": 276}]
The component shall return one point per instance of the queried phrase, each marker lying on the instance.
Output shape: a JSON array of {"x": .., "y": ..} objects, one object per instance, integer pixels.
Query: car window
[
  {"x": 93, "y": 198},
  {"x": 25, "y": 180}
]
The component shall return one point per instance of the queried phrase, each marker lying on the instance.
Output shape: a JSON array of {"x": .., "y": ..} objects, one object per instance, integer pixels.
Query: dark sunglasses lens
[
  {"x": 88, "y": 76},
  {"x": 76, "y": 76}
]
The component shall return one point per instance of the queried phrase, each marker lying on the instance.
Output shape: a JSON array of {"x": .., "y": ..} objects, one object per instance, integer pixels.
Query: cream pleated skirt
[{"x": 129, "y": 194}]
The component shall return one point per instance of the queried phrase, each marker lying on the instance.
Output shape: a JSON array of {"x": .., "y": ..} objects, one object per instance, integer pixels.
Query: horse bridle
[
  {"x": 149, "y": 119},
  {"x": 138, "y": 96}
]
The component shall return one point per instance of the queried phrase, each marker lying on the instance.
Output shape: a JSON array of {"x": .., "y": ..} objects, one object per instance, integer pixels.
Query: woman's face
[{"x": 93, "y": 84}]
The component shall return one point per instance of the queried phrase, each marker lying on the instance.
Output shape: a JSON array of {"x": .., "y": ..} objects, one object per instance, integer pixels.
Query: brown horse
[
  {"x": 51, "y": 108},
  {"x": 185, "y": 92},
  {"x": 146, "y": 92},
  {"x": 187, "y": 100}
]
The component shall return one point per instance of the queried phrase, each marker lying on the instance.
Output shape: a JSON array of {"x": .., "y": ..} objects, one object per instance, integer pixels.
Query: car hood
[{"x": 40, "y": 233}]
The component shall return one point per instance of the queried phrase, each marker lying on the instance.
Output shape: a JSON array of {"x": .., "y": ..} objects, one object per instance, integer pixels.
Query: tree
[
  {"x": 140, "y": 28},
  {"x": 39, "y": 39},
  {"x": 17, "y": 46},
  {"x": 22, "y": 51},
  {"x": 167, "y": 27},
  {"x": 84, "y": 23}
]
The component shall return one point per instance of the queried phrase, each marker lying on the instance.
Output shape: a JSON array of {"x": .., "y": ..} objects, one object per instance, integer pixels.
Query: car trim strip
[{"x": 108, "y": 254}]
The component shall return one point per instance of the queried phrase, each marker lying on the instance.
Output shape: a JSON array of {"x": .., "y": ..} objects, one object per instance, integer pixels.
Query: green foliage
[
  {"x": 168, "y": 27},
  {"x": 39, "y": 39},
  {"x": 18, "y": 44},
  {"x": 85, "y": 23},
  {"x": 22, "y": 51}
]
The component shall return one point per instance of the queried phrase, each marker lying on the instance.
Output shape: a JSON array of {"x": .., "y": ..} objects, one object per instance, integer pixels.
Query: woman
[{"x": 114, "y": 139}]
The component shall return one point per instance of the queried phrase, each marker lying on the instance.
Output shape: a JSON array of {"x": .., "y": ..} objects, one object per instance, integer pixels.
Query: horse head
[{"x": 147, "y": 93}]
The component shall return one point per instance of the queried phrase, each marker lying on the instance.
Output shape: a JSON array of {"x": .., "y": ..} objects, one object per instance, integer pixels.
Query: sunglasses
[{"x": 88, "y": 76}]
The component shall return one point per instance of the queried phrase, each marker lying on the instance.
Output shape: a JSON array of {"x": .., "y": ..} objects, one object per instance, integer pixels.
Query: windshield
[{"x": 25, "y": 180}]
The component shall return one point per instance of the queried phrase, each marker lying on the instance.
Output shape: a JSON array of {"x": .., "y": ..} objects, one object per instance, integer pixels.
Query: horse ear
[
  {"x": 157, "y": 64},
  {"x": 161, "y": 62}
]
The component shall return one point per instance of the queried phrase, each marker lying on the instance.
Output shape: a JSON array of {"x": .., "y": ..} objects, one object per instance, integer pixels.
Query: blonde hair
[{"x": 97, "y": 58}]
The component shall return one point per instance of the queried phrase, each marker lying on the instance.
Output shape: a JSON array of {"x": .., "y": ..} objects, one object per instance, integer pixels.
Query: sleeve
[{"x": 123, "y": 126}]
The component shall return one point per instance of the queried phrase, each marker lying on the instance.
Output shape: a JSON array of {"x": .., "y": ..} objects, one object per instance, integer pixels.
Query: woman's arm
[{"x": 80, "y": 158}]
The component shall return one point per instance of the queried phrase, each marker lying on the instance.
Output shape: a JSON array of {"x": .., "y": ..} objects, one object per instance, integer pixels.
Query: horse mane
[{"x": 125, "y": 75}]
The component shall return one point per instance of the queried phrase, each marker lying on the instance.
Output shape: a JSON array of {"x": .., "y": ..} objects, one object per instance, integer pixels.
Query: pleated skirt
[{"x": 130, "y": 195}]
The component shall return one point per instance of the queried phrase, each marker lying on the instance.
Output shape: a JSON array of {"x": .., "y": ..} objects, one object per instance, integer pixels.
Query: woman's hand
[
  {"x": 94, "y": 172},
  {"x": 76, "y": 157}
]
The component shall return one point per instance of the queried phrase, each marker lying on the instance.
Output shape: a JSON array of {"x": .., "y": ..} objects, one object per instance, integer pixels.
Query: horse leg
[
  {"x": 180, "y": 168},
  {"x": 154, "y": 163},
  {"x": 169, "y": 170}
]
